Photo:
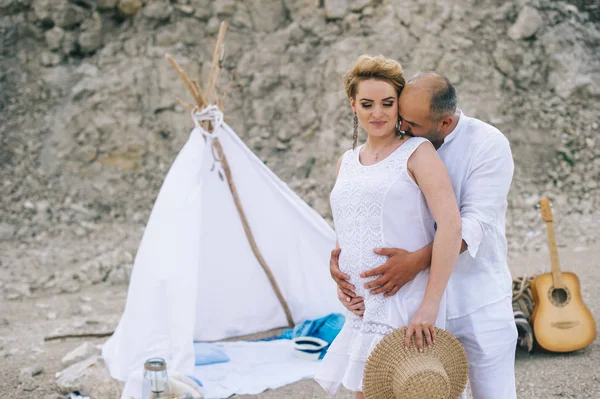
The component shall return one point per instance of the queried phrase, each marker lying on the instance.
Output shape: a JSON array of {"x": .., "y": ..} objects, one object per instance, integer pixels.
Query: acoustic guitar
[{"x": 561, "y": 321}]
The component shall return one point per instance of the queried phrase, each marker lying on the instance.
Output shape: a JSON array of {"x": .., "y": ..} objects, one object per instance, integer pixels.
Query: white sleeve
[{"x": 485, "y": 190}]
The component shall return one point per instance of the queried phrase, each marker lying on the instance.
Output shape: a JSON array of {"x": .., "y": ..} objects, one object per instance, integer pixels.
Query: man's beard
[{"x": 435, "y": 137}]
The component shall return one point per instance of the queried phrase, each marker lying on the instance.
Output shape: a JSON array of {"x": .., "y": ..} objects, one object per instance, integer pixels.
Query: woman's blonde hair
[{"x": 379, "y": 67}]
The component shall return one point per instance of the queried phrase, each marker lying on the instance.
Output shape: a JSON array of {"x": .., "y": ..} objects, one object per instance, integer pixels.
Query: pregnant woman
[{"x": 393, "y": 191}]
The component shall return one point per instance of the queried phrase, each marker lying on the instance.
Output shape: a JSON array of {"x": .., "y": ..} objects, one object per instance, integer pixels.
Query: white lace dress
[{"x": 375, "y": 206}]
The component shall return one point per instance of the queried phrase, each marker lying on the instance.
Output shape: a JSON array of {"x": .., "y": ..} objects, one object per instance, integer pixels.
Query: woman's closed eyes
[{"x": 369, "y": 105}]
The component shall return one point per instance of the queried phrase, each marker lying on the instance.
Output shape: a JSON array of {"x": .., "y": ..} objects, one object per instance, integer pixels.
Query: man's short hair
[{"x": 443, "y": 94}]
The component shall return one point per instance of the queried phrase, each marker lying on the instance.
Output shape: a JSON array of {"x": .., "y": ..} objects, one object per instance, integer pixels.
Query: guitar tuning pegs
[{"x": 538, "y": 206}]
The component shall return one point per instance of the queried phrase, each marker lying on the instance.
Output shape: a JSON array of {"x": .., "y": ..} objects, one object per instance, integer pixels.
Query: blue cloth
[
  {"x": 325, "y": 328},
  {"x": 197, "y": 381},
  {"x": 207, "y": 353}
]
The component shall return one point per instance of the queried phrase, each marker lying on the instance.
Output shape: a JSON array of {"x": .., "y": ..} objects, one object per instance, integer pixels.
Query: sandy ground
[{"x": 25, "y": 322}]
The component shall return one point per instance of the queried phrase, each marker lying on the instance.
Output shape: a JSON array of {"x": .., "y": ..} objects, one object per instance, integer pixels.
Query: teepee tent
[{"x": 229, "y": 250}]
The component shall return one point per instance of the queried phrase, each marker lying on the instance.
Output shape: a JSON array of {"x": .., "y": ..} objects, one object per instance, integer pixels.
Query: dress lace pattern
[{"x": 357, "y": 202}]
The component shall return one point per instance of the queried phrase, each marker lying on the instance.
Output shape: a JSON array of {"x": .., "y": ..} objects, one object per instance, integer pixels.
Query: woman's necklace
[{"x": 379, "y": 151}]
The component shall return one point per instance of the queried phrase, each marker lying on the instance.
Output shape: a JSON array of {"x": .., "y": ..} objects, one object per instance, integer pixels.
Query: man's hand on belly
[{"x": 401, "y": 267}]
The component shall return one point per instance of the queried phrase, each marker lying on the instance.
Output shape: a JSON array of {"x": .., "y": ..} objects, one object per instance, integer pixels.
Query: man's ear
[{"x": 446, "y": 121}]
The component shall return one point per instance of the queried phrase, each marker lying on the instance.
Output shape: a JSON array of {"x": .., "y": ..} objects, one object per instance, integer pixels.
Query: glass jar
[{"x": 156, "y": 380}]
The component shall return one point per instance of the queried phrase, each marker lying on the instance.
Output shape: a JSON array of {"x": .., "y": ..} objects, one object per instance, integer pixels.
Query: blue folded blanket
[
  {"x": 325, "y": 328},
  {"x": 207, "y": 353}
]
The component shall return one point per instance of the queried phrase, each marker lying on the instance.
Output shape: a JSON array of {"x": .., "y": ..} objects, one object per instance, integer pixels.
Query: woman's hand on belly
[
  {"x": 341, "y": 279},
  {"x": 355, "y": 305}
]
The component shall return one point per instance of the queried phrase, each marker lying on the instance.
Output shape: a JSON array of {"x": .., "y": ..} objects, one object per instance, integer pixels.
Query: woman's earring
[
  {"x": 355, "y": 134},
  {"x": 399, "y": 132}
]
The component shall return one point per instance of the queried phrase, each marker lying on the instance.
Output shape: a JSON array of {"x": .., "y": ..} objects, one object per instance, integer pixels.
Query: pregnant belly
[{"x": 353, "y": 264}]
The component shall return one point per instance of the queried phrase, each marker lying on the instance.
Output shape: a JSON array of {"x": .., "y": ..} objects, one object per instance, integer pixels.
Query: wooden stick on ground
[{"x": 81, "y": 335}]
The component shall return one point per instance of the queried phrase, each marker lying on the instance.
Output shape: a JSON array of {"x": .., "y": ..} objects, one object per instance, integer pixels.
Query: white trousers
[{"x": 489, "y": 335}]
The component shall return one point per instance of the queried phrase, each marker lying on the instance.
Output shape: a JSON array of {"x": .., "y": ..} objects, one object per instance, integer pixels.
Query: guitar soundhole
[{"x": 559, "y": 296}]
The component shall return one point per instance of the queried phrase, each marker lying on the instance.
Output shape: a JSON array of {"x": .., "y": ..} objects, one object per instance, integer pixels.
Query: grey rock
[
  {"x": 368, "y": 11},
  {"x": 129, "y": 8},
  {"x": 42, "y": 206},
  {"x": 54, "y": 37},
  {"x": 48, "y": 59},
  {"x": 86, "y": 309},
  {"x": 14, "y": 291},
  {"x": 32, "y": 31},
  {"x": 336, "y": 9},
  {"x": 528, "y": 22},
  {"x": 359, "y": 5},
  {"x": 213, "y": 25},
  {"x": 185, "y": 9},
  {"x": 80, "y": 231},
  {"x": 90, "y": 41},
  {"x": 352, "y": 20},
  {"x": 106, "y": 4},
  {"x": 90, "y": 376},
  {"x": 267, "y": 14},
  {"x": 90, "y": 38},
  {"x": 160, "y": 10},
  {"x": 11, "y": 6},
  {"x": 224, "y": 8},
  {"x": 28, "y": 384},
  {"x": 120, "y": 274},
  {"x": 579, "y": 73},
  {"x": 82, "y": 352},
  {"x": 42, "y": 9},
  {"x": 23, "y": 231},
  {"x": 68, "y": 15},
  {"x": 31, "y": 371},
  {"x": 68, "y": 43},
  {"x": 7, "y": 231},
  {"x": 167, "y": 37},
  {"x": 26, "y": 377},
  {"x": 67, "y": 285},
  {"x": 202, "y": 9}
]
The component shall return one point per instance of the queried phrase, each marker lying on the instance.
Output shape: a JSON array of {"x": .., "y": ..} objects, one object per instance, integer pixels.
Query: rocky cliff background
[{"x": 90, "y": 124}]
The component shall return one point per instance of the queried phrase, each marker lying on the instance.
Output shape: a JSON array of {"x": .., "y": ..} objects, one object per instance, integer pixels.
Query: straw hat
[{"x": 439, "y": 372}]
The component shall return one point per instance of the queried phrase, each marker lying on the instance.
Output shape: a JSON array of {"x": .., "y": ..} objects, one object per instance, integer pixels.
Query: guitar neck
[{"x": 554, "y": 263}]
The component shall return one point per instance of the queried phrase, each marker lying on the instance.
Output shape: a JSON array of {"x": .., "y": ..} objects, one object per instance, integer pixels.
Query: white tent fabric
[{"x": 195, "y": 277}]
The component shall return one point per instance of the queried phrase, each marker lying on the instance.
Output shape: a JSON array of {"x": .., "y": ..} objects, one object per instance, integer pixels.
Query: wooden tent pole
[
  {"x": 210, "y": 98},
  {"x": 250, "y": 236}
]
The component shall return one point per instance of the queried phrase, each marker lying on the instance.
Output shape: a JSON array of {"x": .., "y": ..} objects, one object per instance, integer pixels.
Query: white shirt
[{"x": 480, "y": 164}]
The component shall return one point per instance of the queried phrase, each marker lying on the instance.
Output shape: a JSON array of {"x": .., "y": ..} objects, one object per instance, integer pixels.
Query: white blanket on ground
[{"x": 254, "y": 368}]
